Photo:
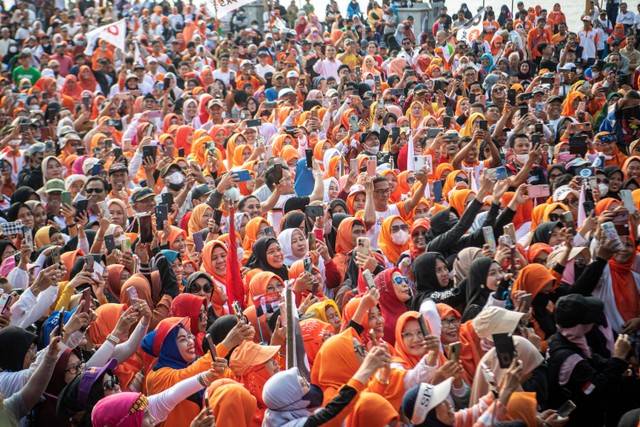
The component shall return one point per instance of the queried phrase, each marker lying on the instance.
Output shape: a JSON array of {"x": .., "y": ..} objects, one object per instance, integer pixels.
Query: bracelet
[
  {"x": 114, "y": 339},
  {"x": 202, "y": 378},
  {"x": 99, "y": 239}
]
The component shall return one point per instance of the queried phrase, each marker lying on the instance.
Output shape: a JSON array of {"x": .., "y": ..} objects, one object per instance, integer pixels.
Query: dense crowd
[{"x": 362, "y": 221}]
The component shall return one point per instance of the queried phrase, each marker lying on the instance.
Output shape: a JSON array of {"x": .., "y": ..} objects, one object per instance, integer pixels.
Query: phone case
[{"x": 489, "y": 238}]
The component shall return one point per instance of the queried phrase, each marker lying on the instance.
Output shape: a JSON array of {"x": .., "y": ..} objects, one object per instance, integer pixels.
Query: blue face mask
[{"x": 314, "y": 396}]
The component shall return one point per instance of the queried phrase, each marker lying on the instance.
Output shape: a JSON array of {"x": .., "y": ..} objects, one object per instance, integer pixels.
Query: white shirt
[
  {"x": 262, "y": 70},
  {"x": 374, "y": 232},
  {"x": 588, "y": 41},
  {"x": 225, "y": 77},
  {"x": 626, "y": 18}
]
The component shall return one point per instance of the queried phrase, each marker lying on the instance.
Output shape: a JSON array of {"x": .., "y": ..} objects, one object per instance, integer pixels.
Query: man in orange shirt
[
  {"x": 524, "y": 20},
  {"x": 248, "y": 74},
  {"x": 536, "y": 36},
  {"x": 490, "y": 26}
]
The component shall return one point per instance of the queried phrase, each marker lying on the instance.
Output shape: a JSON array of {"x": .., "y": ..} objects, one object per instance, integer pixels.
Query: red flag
[{"x": 235, "y": 287}]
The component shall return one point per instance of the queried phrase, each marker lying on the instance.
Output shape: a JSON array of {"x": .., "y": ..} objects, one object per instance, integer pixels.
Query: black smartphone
[
  {"x": 24, "y": 127},
  {"x": 117, "y": 152},
  {"x": 538, "y": 128},
  {"x": 524, "y": 110},
  {"x": 96, "y": 169},
  {"x": 526, "y": 96},
  {"x": 109, "y": 243},
  {"x": 446, "y": 122},
  {"x": 423, "y": 326},
  {"x": 45, "y": 134},
  {"x": 108, "y": 144},
  {"x": 86, "y": 297},
  {"x": 277, "y": 173},
  {"x": 314, "y": 211},
  {"x": 437, "y": 190},
  {"x": 535, "y": 140},
  {"x": 81, "y": 206},
  {"x": 472, "y": 98},
  {"x": 162, "y": 214},
  {"x": 308, "y": 152},
  {"x": 180, "y": 152},
  {"x": 505, "y": 349},
  {"x": 212, "y": 346},
  {"x": 115, "y": 123},
  {"x": 167, "y": 199},
  {"x": 217, "y": 216},
  {"x": 60, "y": 322},
  {"x": 150, "y": 151},
  {"x": 146, "y": 231},
  {"x": 166, "y": 82},
  {"x": 90, "y": 261},
  {"x": 588, "y": 206},
  {"x": 483, "y": 125},
  {"x": 511, "y": 96},
  {"x": 254, "y": 123}
]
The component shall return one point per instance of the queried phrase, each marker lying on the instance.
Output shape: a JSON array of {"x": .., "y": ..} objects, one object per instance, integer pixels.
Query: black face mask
[
  {"x": 314, "y": 396},
  {"x": 540, "y": 301}
]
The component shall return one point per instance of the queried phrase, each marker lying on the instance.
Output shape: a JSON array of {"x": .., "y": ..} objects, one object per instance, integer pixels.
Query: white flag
[
  {"x": 471, "y": 30},
  {"x": 115, "y": 34},
  {"x": 221, "y": 8}
]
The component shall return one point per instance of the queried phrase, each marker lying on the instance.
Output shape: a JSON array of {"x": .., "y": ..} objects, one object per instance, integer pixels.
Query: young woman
[
  {"x": 267, "y": 255},
  {"x": 174, "y": 347},
  {"x": 194, "y": 308}
]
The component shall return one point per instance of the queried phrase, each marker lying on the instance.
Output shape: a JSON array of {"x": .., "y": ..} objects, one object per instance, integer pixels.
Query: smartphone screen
[{"x": 146, "y": 233}]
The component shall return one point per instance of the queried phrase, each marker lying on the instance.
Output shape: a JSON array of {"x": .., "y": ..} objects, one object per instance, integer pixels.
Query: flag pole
[{"x": 290, "y": 302}]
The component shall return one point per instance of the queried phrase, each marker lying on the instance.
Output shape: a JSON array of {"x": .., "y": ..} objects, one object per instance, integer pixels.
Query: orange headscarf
[
  {"x": 402, "y": 354},
  {"x": 625, "y": 290},
  {"x": 458, "y": 200},
  {"x": 231, "y": 403},
  {"x": 523, "y": 212},
  {"x": 181, "y": 138},
  {"x": 313, "y": 334},
  {"x": 536, "y": 249},
  {"x": 390, "y": 249},
  {"x": 532, "y": 279},
  {"x": 250, "y": 235},
  {"x": 604, "y": 205}
]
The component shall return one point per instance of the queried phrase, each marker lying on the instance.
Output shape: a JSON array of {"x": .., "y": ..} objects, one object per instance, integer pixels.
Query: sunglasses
[
  {"x": 396, "y": 228},
  {"x": 195, "y": 288},
  {"x": 94, "y": 190},
  {"x": 399, "y": 280},
  {"x": 461, "y": 179}
]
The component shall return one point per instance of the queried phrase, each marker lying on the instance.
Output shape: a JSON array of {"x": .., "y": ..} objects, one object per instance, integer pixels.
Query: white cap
[
  {"x": 285, "y": 91},
  {"x": 563, "y": 192},
  {"x": 568, "y": 66},
  {"x": 245, "y": 62},
  {"x": 293, "y": 74},
  {"x": 428, "y": 397},
  {"x": 496, "y": 320}
]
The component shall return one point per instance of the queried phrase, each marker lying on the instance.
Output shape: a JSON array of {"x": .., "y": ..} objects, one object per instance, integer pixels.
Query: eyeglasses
[
  {"x": 396, "y": 228},
  {"x": 382, "y": 192},
  {"x": 554, "y": 217},
  {"x": 419, "y": 233},
  {"x": 94, "y": 190},
  {"x": 76, "y": 369},
  {"x": 111, "y": 383},
  {"x": 411, "y": 335},
  {"x": 498, "y": 89},
  {"x": 452, "y": 322},
  {"x": 399, "y": 280},
  {"x": 195, "y": 288}
]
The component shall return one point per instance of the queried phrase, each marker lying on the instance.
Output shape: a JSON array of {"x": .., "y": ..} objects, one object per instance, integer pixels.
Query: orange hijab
[
  {"x": 625, "y": 290},
  {"x": 532, "y": 279},
  {"x": 231, "y": 403},
  {"x": 250, "y": 235},
  {"x": 458, "y": 199},
  {"x": 390, "y": 249}
]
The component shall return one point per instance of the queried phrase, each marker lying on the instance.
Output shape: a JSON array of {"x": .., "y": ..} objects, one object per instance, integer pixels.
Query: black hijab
[
  {"x": 12, "y": 213},
  {"x": 440, "y": 224},
  {"x": 293, "y": 220},
  {"x": 14, "y": 344},
  {"x": 330, "y": 239},
  {"x": 219, "y": 331},
  {"x": 477, "y": 291},
  {"x": 425, "y": 278},
  {"x": 258, "y": 258},
  {"x": 542, "y": 234}
]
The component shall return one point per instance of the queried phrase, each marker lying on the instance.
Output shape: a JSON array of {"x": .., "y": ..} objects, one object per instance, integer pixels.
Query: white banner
[
  {"x": 471, "y": 30},
  {"x": 115, "y": 34},
  {"x": 221, "y": 8}
]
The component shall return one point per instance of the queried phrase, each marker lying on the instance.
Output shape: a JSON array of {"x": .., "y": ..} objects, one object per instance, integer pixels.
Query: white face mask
[
  {"x": 232, "y": 193},
  {"x": 418, "y": 216},
  {"x": 389, "y": 126},
  {"x": 603, "y": 189},
  {"x": 400, "y": 238},
  {"x": 370, "y": 83},
  {"x": 608, "y": 157},
  {"x": 595, "y": 74},
  {"x": 522, "y": 158},
  {"x": 405, "y": 130},
  {"x": 373, "y": 150}
]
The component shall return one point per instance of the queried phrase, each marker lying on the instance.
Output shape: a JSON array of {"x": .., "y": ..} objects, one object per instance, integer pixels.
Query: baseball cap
[
  {"x": 367, "y": 134},
  {"x": 563, "y": 192},
  {"x": 171, "y": 167},
  {"x": 88, "y": 164},
  {"x": 285, "y": 91},
  {"x": 423, "y": 398},
  {"x": 293, "y": 74},
  {"x": 200, "y": 190},
  {"x": 496, "y": 320},
  {"x": 117, "y": 167},
  {"x": 54, "y": 185},
  {"x": 555, "y": 98},
  {"x": 586, "y": 18},
  {"x": 245, "y": 62},
  {"x": 576, "y": 309},
  {"x": 332, "y": 93},
  {"x": 142, "y": 193},
  {"x": 38, "y": 147},
  {"x": 215, "y": 101},
  {"x": 250, "y": 354},
  {"x": 567, "y": 67}
]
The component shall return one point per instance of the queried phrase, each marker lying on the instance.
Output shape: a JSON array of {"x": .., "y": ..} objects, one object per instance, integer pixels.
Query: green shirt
[{"x": 20, "y": 73}]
